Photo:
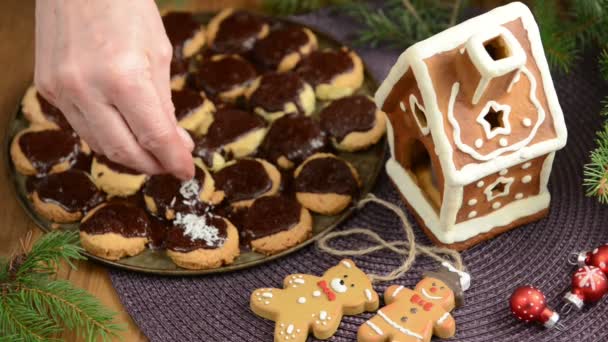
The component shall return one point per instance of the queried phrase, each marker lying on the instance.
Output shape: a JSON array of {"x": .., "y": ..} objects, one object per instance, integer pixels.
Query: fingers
[
  {"x": 80, "y": 125},
  {"x": 137, "y": 100},
  {"x": 115, "y": 139}
]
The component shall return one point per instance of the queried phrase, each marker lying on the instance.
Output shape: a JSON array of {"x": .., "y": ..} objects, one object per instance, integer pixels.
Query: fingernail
[
  {"x": 188, "y": 142},
  {"x": 187, "y": 175}
]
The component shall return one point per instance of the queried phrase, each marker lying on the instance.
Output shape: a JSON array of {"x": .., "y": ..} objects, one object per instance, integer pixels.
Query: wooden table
[{"x": 16, "y": 61}]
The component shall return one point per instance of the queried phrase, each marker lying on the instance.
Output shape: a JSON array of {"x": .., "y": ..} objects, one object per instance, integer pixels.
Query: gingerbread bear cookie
[
  {"x": 416, "y": 315},
  {"x": 307, "y": 302}
]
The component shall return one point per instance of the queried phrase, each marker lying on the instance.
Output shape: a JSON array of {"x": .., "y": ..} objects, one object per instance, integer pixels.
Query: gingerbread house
[{"x": 474, "y": 126}]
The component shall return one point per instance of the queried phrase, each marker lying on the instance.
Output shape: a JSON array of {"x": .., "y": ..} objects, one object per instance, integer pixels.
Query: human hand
[{"x": 105, "y": 65}]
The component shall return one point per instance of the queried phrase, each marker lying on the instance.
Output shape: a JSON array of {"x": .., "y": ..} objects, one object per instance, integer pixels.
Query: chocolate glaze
[
  {"x": 326, "y": 175},
  {"x": 322, "y": 66},
  {"x": 120, "y": 218},
  {"x": 158, "y": 231},
  {"x": 115, "y": 166},
  {"x": 165, "y": 190},
  {"x": 349, "y": 114},
  {"x": 270, "y": 51},
  {"x": 52, "y": 113},
  {"x": 228, "y": 125},
  {"x": 73, "y": 190},
  {"x": 270, "y": 215},
  {"x": 220, "y": 75},
  {"x": 243, "y": 180},
  {"x": 180, "y": 27},
  {"x": 178, "y": 66},
  {"x": 276, "y": 90},
  {"x": 179, "y": 242},
  {"x": 237, "y": 33},
  {"x": 47, "y": 148},
  {"x": 295, "y": 137},
  {"x": 186, "y": 102}
]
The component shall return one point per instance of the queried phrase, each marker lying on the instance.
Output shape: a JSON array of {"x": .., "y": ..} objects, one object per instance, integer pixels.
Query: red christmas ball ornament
[
  {"x": 589, "y": 284},
  {"x": 528, "y": 304},
  {"x": 598, "y": 258}
]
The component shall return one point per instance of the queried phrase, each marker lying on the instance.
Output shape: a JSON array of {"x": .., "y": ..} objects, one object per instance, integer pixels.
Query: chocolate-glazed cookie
[
  {"x": 235, "y": 31},
  {"x": 326, "y": 184},
  {"x": 193, "y": 110},
  {"x": 244, "y": 180},
  {"x": 333, "y": 74},
  {"x": 185, "y": 34},
  {"x": 114, "y": 178},
  {"x": 284, "y": 47},
  {"x": 275, "y": 94},
  {"x": 291, "y": 139},
  {"x": 42, "y": 150},
  {"x": 353, "y": 122},
  {"x": 165, "y": 195},
  {"x": 38, "y": 111},
  {"x": 224, "y": 76},
  {"x": 115, "y": 230},
  {"x": 276, "y": 223},
  {"x": 202, "y": 241},
  {"x": 65, "y": 196},
  {"x": 232, "y": 134}
]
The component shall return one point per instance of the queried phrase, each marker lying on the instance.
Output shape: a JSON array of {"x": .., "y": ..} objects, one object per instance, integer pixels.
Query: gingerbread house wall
[{"x": 411, "y": 142}]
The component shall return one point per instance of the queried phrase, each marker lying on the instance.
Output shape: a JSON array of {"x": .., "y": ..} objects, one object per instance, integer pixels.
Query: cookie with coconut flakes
[
  {"x": 116, "y": 179},
  {"x": 233, "y": 133},
  {"x": 291, "y": 139},
  {"x": 331, "y": 193},
  {"x": 66, "y": 196},
  {"x": 165, "y": 195},
  {"x": 276, "y": 223},
  {"x": 275, "y": 94},
  {"x": 235, "y": 31},
  {"x": 284, "y": 47},
  {"x": 332, "y": 73},
  {"x": 115, "y": 230},
  {"x": 226, "y": 77},
  {"x": 244, "y": 180},
  {"x": 40, "y": 150},
  {"x": 38, "y": 111},
  {"x": 353, "y": 123},
  {"x": 193, "y": 110},
  {"x": 202, "y": 241}
]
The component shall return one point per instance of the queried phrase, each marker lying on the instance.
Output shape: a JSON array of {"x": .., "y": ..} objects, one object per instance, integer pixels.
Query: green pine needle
[
  {"x": 291, "y": 7},
  {"x": 603, "y": 62},
  {"x": 35, "y": 307}
]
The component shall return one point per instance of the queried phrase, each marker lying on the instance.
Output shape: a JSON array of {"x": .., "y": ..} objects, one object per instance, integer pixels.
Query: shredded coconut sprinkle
[
  {"x": 189, "y": 190},
  {"x": 196, "y": 228}
]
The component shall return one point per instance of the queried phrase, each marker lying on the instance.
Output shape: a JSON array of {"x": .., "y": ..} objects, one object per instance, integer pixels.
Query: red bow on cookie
[
  {"x": 328, "y": 292},
  {"x": 416, "y": 299}
]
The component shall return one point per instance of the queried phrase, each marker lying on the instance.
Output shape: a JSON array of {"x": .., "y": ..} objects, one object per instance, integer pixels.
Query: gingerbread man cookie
[
  {"x": 416, "y": 315},
  {"x": 307, "y": 302}
]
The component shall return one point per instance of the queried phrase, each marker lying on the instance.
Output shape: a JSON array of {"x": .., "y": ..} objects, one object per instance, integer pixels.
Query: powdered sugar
[{"x": 197, "y": 228}]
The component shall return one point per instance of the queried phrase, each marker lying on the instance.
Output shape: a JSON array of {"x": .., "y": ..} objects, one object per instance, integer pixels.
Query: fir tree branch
[
  {"x": 71, "y": 307},
  {"x": 23, "y": 322},
  {"x": 49, "y": 251}
]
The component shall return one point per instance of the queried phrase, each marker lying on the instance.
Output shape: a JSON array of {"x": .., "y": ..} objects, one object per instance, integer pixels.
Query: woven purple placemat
[{"x": 216, "y": 308}]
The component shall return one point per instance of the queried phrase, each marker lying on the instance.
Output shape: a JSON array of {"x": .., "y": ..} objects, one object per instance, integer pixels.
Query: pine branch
[
  {"x": 71, "y": 307},
  {"x": 596, "y": 171},
  {"x": 26, "y": 324},
  {"x": 603, "y": 63},
  {"x": 290, "y": 7}
]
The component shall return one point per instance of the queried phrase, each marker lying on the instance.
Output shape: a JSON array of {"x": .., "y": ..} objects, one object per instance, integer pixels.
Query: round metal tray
[{"x": 368, "y": 163}]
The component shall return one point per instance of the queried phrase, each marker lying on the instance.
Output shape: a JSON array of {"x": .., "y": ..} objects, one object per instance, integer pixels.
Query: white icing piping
[
  {"x": 515, "y": 79},
  {"x": 368, "y": 295},
  {"x": 507, "y": 181},
  {"x": 495, "y": 153},
  {"x": 449, "y": 40},
  {"x": 545, "y": 172},
  {"x": 424, "y": 129},
  {"x": 427, "y": 295},
  {"x": 491, "y": 133},
  {"x": 443, "y": 318},
  {"x": 397, "y": 291},
  {"x": 375, "y": 328},
  {"x": 403, "y": 330},
  {"x": 346, "y": 264},
  {"x": 467, "y": 229}
]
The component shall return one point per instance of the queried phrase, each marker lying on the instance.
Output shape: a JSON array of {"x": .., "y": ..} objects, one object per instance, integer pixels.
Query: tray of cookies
[{"x": 287, "y": 138}]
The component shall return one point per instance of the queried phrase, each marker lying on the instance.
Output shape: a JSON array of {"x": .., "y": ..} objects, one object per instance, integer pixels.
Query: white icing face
[
  {"x": 427, "y": 295},
  {"x": 338, "y": 285}
]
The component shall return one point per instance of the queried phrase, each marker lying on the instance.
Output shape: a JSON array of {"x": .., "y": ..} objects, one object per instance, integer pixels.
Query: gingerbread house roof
[{"x": 466, "y": 35}]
